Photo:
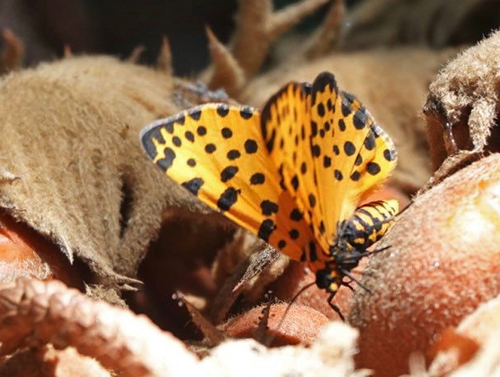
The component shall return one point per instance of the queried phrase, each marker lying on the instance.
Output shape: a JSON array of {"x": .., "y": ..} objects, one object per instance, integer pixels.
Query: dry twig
[
  {"x": 13, "y": 52},
  {"x": 164, "y": 62},
  {"x": 329, "y": 33},
  {"x": 257, "y": 27}
]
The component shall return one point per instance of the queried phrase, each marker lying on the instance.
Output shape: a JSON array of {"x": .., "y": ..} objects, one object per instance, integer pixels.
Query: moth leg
[{"x": 335, "y": 307}]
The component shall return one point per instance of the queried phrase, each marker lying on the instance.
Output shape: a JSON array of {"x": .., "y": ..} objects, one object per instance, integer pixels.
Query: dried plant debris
[
  {"x": 462, "y": 107},
  {"x": 35, "y": 314}
]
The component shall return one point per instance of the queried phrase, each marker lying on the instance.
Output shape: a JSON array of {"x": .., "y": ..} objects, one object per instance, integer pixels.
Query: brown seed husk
[
  {"x": 464, "y": 98},
  {"x": 70, "y": 133}
]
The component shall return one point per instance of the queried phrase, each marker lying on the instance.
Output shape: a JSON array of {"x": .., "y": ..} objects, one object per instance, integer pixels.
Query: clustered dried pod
[{"x": 462, "y": 106}]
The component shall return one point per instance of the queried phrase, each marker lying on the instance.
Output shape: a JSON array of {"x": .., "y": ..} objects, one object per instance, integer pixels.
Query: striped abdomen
[{"x": 369, "y": 223}]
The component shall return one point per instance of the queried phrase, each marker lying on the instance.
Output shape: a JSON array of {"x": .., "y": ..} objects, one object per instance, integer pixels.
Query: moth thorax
[{"x": 344, "y": 256}]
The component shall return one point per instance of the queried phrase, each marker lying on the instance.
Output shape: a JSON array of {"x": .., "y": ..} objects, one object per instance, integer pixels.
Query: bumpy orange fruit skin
[
  {"x": 443, "y": 261},
  {"x": 24, "y": 252},
  {"x": 301, "y": 325},
  {"x": 457, "y": 346}
]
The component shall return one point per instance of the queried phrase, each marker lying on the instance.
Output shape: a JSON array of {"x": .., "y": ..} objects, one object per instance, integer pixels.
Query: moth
[{"x": 292, "y": 174}]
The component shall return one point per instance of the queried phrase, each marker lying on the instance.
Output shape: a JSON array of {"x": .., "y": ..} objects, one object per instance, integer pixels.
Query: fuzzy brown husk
[
  {"x": 70, "y": 133},
  {"x": 462, "y": 107}
]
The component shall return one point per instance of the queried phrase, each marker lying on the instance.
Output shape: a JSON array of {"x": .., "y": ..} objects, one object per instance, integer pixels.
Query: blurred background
[{"x": 117, "y": 27}]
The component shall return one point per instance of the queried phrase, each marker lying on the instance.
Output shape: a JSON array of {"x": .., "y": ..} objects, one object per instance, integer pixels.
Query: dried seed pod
[{"x": 442, "y": 262}]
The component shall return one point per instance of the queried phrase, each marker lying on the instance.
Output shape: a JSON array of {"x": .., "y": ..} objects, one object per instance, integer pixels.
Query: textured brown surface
[
  {"x": 471, "y": 339},
  {"x": 298, "y": 324},
  {"x": 462, "y": 108},
  {"x": 69, "y": 131}
]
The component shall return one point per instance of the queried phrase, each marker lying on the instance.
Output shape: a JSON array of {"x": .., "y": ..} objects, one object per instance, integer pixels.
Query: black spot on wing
[
  {"x": 228, "y": 172},
  {"x": 373, "y": 168},
  {"x": 265, "y": 229},
  {"x": 314, "y": 129},
  {"x": 166, "y": 162},
  {"x": 210, "y": 148},
  {"x": 323, "y": 80},
  {"x": 349, "y": 148},
  {"x": 359, "y": 119},
  {"x": 342, "y": 126},
  {"x": 296, "y": 215},
  {"x": 268, "y": 207},
  {"x": 313, "y": 256},
  {"x": 390, "y": 155},
  {"x": 181, "y": 119},
  {"x": 233, "y": 154},
  {"x": 316, "y": 150},
  {"x": 189, "y": 136},
  {"x": 250, "y": 146},
  {"x": 176, "y": 141},
  {"x": 270, "y": 142},
  {"x": 338, "y": 175},
  {"x": 370, "y": 141},
  {"x": 355, "y": 176},
  {"x": 294, "y": 234},
  {"x": 195, "y": 113},
  {"x": 321, "y": 109},
  {"x": 169, "y": 127},
  {"x": 303, "y": 168},
  {"x": 193, "y": 186},
  {"x": 222, "y": 109},
  {"x": 257, "y": 179},
  {"x": 226, "y": 133},
  {"x": 322, "y": 227},
  {"x": 201, "y": 130},
  {"x": 312, "y": 200},
  {"x": 228, "y": 198},
  {"x": 246, "y": 112},
  {"x": 359, "y": 160},
  {"x": 147, "y": 141}
]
